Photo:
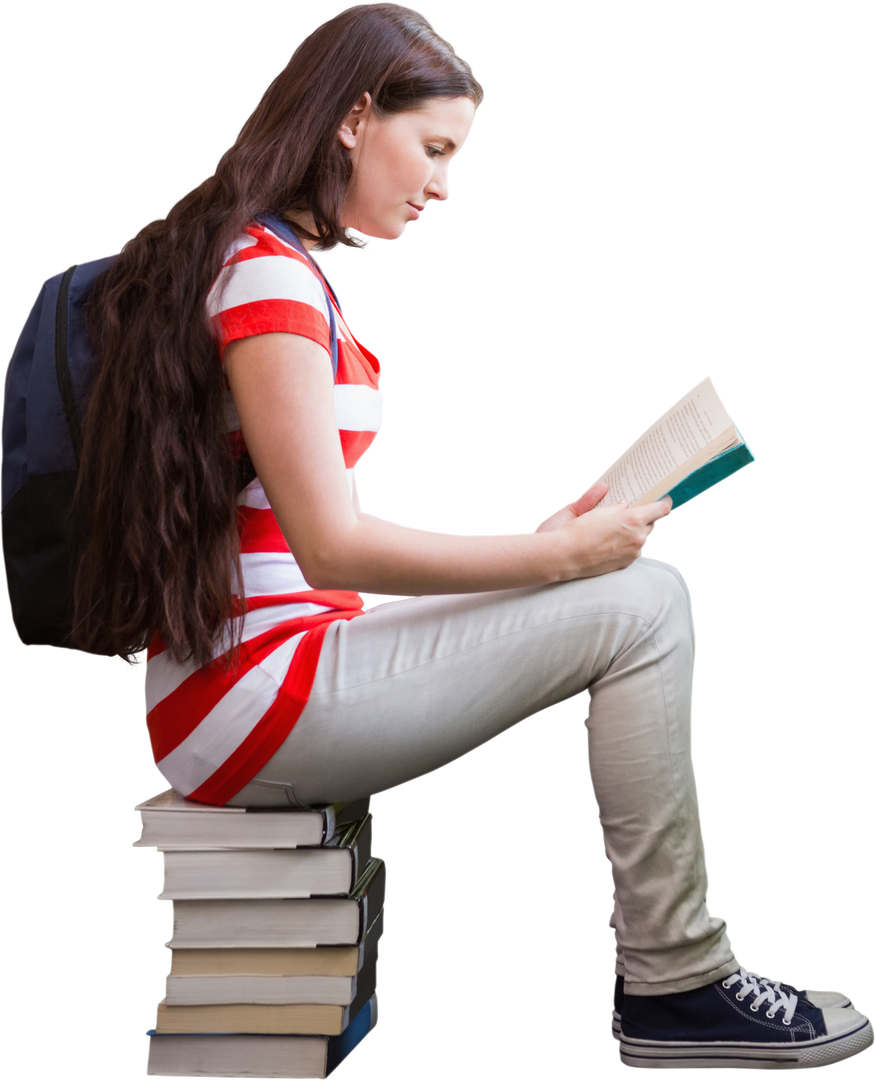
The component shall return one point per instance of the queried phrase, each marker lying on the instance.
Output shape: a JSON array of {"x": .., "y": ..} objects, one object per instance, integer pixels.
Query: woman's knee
[
  {"x": 661, "y": 571},
  {"x": 675, "y": 596},
  {"x": 653, "y": 590}
]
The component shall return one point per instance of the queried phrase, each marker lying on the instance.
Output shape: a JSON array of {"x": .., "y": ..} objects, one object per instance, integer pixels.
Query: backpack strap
[
  {"x": 245, "y": 469},
  {"x": 62, "y": 365},
  {"x": 282, "y": 228}
]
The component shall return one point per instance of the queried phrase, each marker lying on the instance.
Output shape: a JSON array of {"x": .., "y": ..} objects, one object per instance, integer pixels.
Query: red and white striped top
[{"x": 213, "y": 728}]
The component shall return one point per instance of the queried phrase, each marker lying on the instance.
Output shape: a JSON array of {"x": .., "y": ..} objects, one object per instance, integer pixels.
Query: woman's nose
[{"x": 438, "y": 187}]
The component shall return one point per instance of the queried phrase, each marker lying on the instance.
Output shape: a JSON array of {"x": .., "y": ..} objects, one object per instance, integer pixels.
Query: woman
[{"x": 267, "y": 684}]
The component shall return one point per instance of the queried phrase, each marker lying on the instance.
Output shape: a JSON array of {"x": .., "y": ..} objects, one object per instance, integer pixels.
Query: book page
[{"x": 693, "y": 431}]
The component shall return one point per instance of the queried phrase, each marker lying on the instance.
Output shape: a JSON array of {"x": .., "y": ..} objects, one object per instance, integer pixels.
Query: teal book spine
[{"x": 709, "y": 474}]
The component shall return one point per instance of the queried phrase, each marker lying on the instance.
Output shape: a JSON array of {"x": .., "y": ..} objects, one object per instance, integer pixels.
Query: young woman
[{"x": 267, "y": 683}]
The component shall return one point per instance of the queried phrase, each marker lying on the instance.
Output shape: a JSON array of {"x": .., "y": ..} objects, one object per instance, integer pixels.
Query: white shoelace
[{"x": 764, "y": 990}]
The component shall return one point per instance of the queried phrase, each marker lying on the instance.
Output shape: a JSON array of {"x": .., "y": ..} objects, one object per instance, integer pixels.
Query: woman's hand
[{"x": 604, "y": 538}]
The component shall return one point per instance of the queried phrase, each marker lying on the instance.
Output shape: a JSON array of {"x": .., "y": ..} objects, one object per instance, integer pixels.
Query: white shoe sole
[{"x": 648, "y": 1054}]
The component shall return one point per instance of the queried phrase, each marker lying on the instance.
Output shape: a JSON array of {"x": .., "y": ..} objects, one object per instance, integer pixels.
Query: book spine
[{"x": 711, "y": 474}]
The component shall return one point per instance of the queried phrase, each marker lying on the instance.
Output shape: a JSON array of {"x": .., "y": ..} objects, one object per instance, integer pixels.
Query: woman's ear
[{"x": 353, "y": 124}]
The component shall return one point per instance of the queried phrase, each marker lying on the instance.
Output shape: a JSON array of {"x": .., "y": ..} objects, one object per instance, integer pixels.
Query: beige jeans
[{"x": 413, "y": 684}]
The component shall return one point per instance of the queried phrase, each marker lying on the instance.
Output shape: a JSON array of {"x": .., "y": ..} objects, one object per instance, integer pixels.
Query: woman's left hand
[{"x": 587, "y": 501}]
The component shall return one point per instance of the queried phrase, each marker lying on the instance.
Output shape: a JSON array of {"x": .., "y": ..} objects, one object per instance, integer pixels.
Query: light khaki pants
[{"x": 413, "y": 684}]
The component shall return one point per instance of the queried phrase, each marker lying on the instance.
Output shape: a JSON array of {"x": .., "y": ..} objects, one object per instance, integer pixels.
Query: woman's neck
[{"x": 303, "y": 220}]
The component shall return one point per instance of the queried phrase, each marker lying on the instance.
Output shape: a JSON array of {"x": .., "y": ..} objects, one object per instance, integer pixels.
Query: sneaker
[
  {"x": 820, "y": 999},
  {"x": 740, "y": 1022}
]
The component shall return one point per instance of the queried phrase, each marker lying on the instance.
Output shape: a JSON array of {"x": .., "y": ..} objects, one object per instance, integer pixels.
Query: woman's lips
[{"x": 417, "y": 210}]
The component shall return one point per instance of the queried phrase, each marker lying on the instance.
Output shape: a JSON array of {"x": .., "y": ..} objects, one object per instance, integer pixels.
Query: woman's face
[{"x": 400, "y": 161}]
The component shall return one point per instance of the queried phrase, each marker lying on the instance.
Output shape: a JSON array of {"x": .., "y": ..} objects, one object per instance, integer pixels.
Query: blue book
[
  {"x": 258, "y": 1055},
  {"x": 689, "y": 449}
]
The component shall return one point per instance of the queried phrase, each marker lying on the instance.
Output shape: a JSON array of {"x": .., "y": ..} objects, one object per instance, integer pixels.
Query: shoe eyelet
[
  {"x": 726, "y": 985},
  {"x": 786, "y": 1022},
  {"x": 754, "y": 1008},
  {"x": 739, "y": 997},
  {"x": 770, "y": 1015}
]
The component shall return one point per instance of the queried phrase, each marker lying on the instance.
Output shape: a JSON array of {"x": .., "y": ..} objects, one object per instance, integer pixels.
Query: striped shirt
[{"x": 214, "y": 727}]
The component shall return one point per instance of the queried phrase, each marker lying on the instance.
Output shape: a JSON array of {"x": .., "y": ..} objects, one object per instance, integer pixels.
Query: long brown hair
[{"x": 157, "y": 483}]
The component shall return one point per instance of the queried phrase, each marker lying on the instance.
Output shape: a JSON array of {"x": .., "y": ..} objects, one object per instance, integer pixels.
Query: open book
[{"x": 691, "y": 448}]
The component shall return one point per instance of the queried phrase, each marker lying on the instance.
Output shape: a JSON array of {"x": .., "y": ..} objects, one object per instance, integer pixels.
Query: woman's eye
[{"x": 434, "y": 151}]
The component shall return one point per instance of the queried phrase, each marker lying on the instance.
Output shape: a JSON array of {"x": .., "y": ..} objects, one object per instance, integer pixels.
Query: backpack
[{"x": 48, "y": 384}]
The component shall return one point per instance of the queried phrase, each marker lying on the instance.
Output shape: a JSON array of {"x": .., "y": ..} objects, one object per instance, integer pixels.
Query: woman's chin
[{"x": 385, "y": 235}]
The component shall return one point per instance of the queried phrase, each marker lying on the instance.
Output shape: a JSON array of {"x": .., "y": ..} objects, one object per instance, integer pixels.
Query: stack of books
[{"x": 276, "y": 918}]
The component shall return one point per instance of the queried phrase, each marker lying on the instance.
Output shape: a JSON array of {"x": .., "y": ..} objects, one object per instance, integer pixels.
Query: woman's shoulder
[
  {"x": 258, "y": 240},
  {"x": 260, "y": 263}
]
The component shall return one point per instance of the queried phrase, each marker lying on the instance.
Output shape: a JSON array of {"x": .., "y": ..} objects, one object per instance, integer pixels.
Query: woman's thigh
[{"x": 414, "y": 684}]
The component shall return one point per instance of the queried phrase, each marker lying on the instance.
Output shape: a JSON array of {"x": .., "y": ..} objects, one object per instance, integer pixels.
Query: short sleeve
[{"x": 267, "y": 287}]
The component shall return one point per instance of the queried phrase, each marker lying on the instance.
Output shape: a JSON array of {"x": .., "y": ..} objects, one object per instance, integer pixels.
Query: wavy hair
[{"x": 158, "y": 485}]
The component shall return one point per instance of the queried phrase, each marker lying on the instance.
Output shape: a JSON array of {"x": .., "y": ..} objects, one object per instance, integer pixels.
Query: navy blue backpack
[{"x": 47, "y": 389}]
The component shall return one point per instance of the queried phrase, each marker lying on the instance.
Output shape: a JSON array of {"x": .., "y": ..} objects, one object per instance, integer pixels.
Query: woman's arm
[
  {"x": 283, "y": 392},
  {"x": 387, "y": 558},
  {"x": 367, "y": 515}
]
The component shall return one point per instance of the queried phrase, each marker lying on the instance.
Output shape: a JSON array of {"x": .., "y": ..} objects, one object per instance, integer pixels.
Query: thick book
[
  {"x": 172, "y": 821},
  {"x": 242, "y": 874},
  {"x": 240, "y": 1018},
  {"x": 689, "y": 449},
  {"x": 267, "y": 979},
  {"x": 269, "y": 924},
  {"x": 335, "y": 961},
  {"x": 258, "y": 1055}
]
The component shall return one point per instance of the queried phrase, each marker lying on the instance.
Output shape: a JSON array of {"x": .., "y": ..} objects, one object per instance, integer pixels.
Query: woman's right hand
[{"x": 601, "y": 539}]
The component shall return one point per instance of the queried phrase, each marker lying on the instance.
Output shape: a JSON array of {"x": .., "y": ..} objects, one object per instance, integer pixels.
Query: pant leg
[
  {"x": 605, "y": 748},
  {"x": 415, "y": 684}
]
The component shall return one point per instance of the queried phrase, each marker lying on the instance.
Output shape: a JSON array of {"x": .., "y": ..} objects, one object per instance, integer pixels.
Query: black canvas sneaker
[{"x": 740, "y": 1022}]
